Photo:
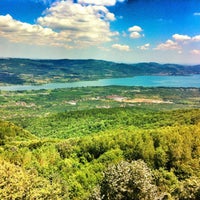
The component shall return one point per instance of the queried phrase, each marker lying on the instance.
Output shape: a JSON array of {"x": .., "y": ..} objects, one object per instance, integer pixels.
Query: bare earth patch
[{"x": 143, "y": 100}]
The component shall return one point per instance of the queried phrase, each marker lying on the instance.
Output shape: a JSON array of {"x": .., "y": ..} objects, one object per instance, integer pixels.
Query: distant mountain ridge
[{"x": 30, "y": 71}]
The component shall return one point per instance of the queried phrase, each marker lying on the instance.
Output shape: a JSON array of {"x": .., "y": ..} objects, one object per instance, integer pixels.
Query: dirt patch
[{"x": 143, "y": 100}]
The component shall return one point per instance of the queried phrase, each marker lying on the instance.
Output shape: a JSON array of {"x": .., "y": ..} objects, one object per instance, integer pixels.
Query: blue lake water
[{"x": 145, "y": 81}]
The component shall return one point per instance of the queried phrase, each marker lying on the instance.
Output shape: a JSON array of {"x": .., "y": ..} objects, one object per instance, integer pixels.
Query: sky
[{"x": 128, "y": 31}]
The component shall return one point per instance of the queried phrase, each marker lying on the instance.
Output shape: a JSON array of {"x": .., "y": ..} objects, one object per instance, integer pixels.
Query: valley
[
  {"x": 99, "y": 100},
  {"x": 74, "y": 143}
]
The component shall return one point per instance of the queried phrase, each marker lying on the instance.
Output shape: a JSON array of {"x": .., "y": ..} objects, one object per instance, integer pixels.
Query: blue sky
[{"x": 130, "y": 31}]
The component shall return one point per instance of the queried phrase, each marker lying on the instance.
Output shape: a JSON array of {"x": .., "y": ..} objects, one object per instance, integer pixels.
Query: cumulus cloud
[
  {"x": 17, "y": 31},
  {"x": 65, "y": 23},
  {"x": 168, "y": 45},
  {"x": 144, "y": 47},
  {"x": 135, "y": 29},
  {"x": 196, "y": 38},
  {"x": 183, "y": 38},
  {"x": 180, "y": 42},
  {"x": 135, "y": 35},
  {"x": 195, "y": 52},
  {"x": 84, "y": 24},
  {"x": 121, "y": 47},
  {"x": 135, "y": 32}
]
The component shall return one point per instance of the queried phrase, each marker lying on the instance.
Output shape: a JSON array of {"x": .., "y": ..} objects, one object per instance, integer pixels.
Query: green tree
[
  {"x": 16, "y": 183},
  {"x": 189, "y": 189}
]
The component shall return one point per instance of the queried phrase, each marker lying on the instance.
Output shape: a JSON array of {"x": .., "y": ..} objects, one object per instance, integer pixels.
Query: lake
[{"x": 145, "y": 81}]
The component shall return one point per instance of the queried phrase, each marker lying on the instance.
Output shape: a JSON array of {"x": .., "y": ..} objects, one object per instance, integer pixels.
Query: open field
[{"x": 19, "y": 105}]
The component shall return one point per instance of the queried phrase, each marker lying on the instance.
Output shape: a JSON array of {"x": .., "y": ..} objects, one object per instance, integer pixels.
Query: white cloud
[
  {"x": 135, "y": 35},
  {"x": 196, "y": 38},
  {"x": 179, "y": 43},
  {"x": 197, "y": 13},
  {"x": 195, "y": 52},
  {"x": 16, "y": 31},
  {"x": 110, "y": 16},
  {"x": 65, "y": 23},
  {"x": 121, "y": 47},
  {"x": 183, "y": 38},
  {"x": 135, "y": 29},
  {"x": 135, "y": 32},
  {"x": 144, "y": 47},
  {"x": 168, "y": 45},
  {"x": 83, "y": 24}
]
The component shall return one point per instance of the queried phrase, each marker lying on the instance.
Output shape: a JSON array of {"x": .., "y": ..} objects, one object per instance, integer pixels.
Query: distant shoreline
[{"x": 192, "y": 81}]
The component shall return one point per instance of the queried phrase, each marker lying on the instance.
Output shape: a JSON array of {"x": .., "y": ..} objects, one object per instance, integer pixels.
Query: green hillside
[
  {"x": 11, "y": 132},
  {"x": 86, "y": 122},
  {"x": 115, "y": 153},
  {"x": 27, "y": 71}
]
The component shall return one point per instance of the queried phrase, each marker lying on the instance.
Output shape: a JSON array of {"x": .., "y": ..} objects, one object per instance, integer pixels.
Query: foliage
[
  {"x": 161, "y": 149},
  {"x": 15, "y": 183},
  {"x": 189, "y": 189},
  {"x": 81, "y": 123},
  {"x": 9, "y": 131},
  {"x": 128, "y": 181},
  {"x": 20, "y": 106}
]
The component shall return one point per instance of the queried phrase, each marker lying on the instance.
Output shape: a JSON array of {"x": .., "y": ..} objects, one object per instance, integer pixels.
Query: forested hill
[
  {"x": 110, "y": 154},
  {"x": 27, "y": 71}
]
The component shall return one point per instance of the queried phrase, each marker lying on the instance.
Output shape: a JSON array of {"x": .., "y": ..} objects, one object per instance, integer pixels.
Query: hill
[
  {"x": 11, "y": 132},
  {"x": 27, "y": 71},
  {"x": 126, "y": 152},
  {"x": 66, "y": 125}
]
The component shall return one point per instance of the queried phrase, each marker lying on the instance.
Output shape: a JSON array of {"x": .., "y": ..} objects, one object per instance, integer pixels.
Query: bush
[{"x": 126, "y": 181}]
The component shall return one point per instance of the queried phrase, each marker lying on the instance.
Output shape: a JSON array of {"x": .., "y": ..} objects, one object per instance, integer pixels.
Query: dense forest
[
  {"x": 115, "y": 153},
  {"x": 27, "y": 71}
]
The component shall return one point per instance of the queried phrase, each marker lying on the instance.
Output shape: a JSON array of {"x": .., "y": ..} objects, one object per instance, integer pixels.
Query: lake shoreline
[{"x": 192, "y": 81}]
